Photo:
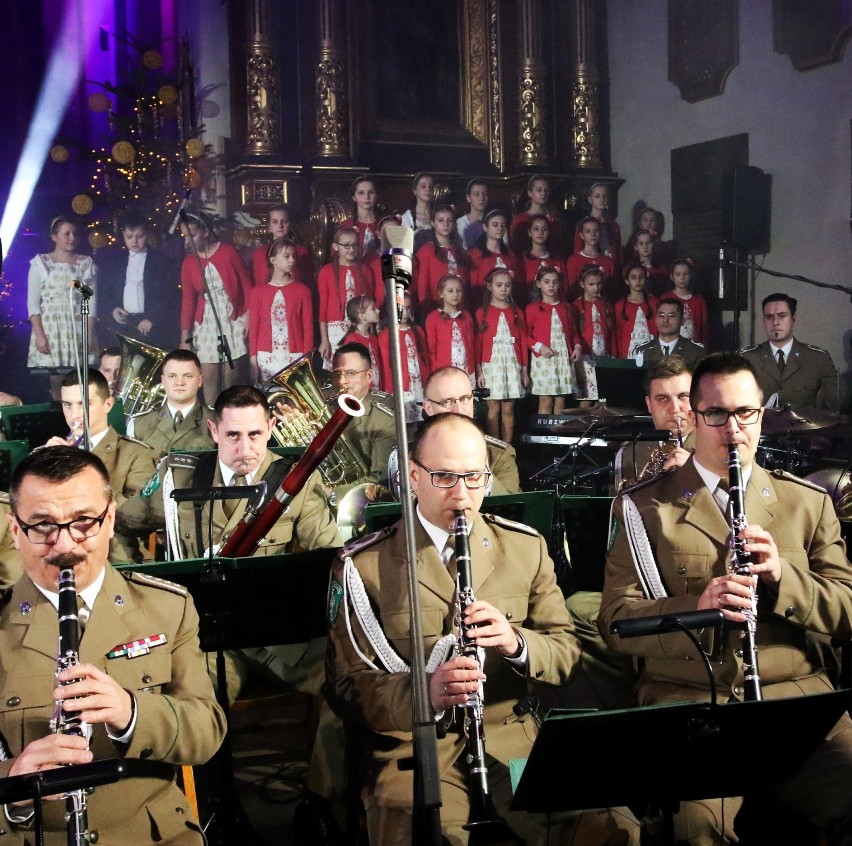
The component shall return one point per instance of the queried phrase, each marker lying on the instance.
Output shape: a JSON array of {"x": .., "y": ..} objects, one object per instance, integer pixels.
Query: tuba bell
[
  {"x": 297, "y": 386},
  {"x": 138, "y": 384}
]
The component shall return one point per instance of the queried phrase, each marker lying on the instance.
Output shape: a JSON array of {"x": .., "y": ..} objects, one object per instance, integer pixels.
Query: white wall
[{"x": 798, "y": 128}]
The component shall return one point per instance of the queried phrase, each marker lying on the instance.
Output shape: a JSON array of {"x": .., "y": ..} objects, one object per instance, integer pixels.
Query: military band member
[
  {"x": 10, "y": 559},
  {"x": 109, "y": 363},
  {"x": 669, "y": 341},
  {"x": 514, "y": 580},
  {"x": 801, "y": 374},
  {"x": 155, "y": 710},
  {"x": 129, "y": 462},
  {"x": 181, "y": 421},
  {"x": 801, "y": 573}
]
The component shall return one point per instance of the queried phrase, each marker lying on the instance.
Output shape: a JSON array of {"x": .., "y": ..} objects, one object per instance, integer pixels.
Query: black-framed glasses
[
  {"x": 719, "y": 416},
  {"x": 467, "y": 399},
  {"x": 347, "y": 374},
  {"x": 79, "y": 529},
  {"x": 347, "y": 245},
  {"x": 444, "y": 479}
]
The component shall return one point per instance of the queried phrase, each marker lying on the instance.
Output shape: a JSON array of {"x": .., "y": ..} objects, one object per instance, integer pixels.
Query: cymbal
[
  {"x": 788, "y": 418},
  {"x": 601, "y": 412}
]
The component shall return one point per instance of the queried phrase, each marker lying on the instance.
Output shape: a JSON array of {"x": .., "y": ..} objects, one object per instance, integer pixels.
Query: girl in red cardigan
[
  {"x": 364, "y": 219},
  {"x": 449, "y": 330},
  {"x": 501, "y": 353},
  {"x": 610, "y": 242},
  {"x": 229, "y": 284},
  {"x": 280, "y": 227},
  {"x": 634, "y": 315},
  {"x": 590, "y": 232},
  {"x": 442, "y": 255},
  {"x": 595, "y": 322},
  {"x": 341, "y": 279},
  {"x": 695, "y": 325},
  {"x": 538, "y": 194},
  {"x": 491, "y": 252},
  {"x": 415, "y": 361},
  {"x": 554, "y": 343},
  {"x": 363, "y": 316},
  {"x": 281, "y": 315},
  {"x": 539, "y": 255},
  {"x": 657, "y": 273}
]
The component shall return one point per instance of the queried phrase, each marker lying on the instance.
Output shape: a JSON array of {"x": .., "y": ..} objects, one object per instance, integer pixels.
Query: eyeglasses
[
  {"x": 347, "y": 245},
  {"x": 79, "y": 529},
  {"x": 467, "y": 399},
  {"x": 444, "y": 479},
  {"x": 667, "y": 315},
  {"x": 719, "y": 416},
  {"x": 347, "y": 374}
]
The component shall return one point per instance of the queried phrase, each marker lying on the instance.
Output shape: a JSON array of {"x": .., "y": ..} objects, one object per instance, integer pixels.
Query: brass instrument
[
  {"x": 661, "y": 454},
  {"x": 138, "y": 384},
  {"x": 297, "y": 386}
]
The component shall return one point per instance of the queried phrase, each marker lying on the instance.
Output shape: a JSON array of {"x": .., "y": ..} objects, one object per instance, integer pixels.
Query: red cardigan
[
  {"x": 332, "y": 292},
  {"x": 576, "y": 263},
  {"x": 483, "y": 265},
  {"x": 439, "y": 338},
  {"x": 302, "y": 272},
  {"x": 385, "y": 359},
  {"x": 583, "y": 311},
  {"x": 519, "y": 237},
  {"x": 625, "y": 317},
  {"x": 430, "y": 268},
  {"x": 539, "y": 318},
  {"x": 486, "y": 320},
  {"x": 299, "y": 307},
  {"x": 235, "y": 278}
]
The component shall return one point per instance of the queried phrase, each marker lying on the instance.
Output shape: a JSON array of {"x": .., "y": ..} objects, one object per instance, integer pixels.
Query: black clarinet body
[
  {"x": 484, "y": 823},
  {"x": 69, "y": 722},
  {"x": 739, "y": 564}
]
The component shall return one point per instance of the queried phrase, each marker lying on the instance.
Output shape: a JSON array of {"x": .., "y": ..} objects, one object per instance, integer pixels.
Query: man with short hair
[
  {"x": 669, "y": 341},
  {"x": 129, "y": 462},
  {"x": 800, "y": 374},
  {"x": 798, "y": 567},
  {"x": 181, "y": 421},
  {"x": 141, "y": 683},
  {"x": 138, "y": 288},
  {"x": 109, "y": 363}
]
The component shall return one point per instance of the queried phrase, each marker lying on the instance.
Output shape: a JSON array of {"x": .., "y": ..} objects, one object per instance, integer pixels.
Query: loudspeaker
[{"x": 746, "y": 209}]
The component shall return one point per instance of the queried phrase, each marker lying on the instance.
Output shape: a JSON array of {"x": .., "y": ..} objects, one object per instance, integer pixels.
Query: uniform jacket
[
  {"x": 809, "y": 378},
  {"x": 129, "y": 463},
  {"x": 373, "y": 436},
  {"x": 689, "y": 536},
  {"x": 503, "y": 461},
  {"x": 10, "y": 559},
  {"x": 178, "y": 719},
  {"x": 510, "y": 569},
  {"x": 307, "y": 520},
  {"x": 633, "y": 458},
  {"x": 156, "y": 428},
  {"x": 689, "y": 351}
]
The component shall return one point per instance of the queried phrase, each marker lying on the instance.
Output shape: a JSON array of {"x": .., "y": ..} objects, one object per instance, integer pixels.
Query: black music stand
[{"x": 692, "y": 747}]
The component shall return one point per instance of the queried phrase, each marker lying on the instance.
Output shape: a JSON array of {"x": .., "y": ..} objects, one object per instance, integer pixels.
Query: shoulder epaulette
[
  {"x": 180, "y": 459},
  {"x": 4, "y": 498},
  {"x": 380, "y": 395},
  {"x": 642, "y": 483},
  {"x": 496, "y": 442},
  {"x": 513, "y": 525},
  {"x": 789, "y": 477},
  {"x": 134, "y": 441},
  {"x": 360, "y": 544},
  {"x": 696, "y": 343},
  {"x": 154, "y": 582},
  {"x": 385, "y": 409},
  {"x": 144, "y": 413},
  {"x": 752, "y": 348},
  {"x": 816, "y": 349}
]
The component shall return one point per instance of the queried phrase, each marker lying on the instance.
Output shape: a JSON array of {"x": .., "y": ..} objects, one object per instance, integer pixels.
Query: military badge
[{"x": 335, "y": 595}]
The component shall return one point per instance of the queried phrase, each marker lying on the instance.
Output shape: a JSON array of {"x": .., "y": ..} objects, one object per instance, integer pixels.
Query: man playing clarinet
[{"x": 798, "y": 566}]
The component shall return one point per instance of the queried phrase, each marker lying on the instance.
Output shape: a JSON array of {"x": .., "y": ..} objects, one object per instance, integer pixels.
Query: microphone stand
[
  {"x": 84, "y": 371},
  {"x": 426, "y": 813},
  {"x": 223, "y": 348}
]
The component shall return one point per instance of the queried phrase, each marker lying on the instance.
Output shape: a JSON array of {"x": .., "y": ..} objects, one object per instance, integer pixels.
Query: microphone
[
  {"x": 721, "y": 291},
  {"x": 83, "y": 288},
  {"x": 397, "y": 259},
  {"x": 181, "y": 207},
  {"x": 665, "y": 623}
]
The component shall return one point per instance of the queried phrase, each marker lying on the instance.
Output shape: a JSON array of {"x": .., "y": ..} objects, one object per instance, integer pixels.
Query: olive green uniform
[
  {"x": 690, "y": 351},
  {"x": 156, "y": 428}
]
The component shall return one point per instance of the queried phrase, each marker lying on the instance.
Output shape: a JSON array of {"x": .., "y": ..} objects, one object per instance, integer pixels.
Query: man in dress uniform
[
  {"x": 801, "y": 374},
  {"x": 142, "y": 682},
  {"x": 521, "y": 624},
  {"x": 802, "y": 576},
  {"x": 181, "y": 421},
  {"x": 10, "y": 558},
  {"x": 129, "y": 463},
  {"x": 669, "y": 341}
]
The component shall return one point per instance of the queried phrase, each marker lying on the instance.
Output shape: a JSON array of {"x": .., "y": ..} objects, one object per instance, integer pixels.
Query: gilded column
[
  {"x": 264, "y": 121},
  {"x": 585, "y": 130},
  {"x": 532, "y": 131},
  {"x": 331, "y": 102}
]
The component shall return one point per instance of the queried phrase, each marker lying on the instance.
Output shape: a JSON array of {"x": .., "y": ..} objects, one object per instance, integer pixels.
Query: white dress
[
  {"x": 554, "y": 376},
  {"x": 206, "y": 334},
  {"x": 503, "y": 373}
]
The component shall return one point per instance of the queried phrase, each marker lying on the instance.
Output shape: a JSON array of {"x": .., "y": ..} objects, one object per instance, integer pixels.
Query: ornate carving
[
  {"x": 532, "y": 136},
  {"x": 811, "y": 34},
  {"x": 264, "y": 128},
  {"x": 477, "y": 74},
  {"x": 332, "y": 115},
  {"x": 494, "y": 83},
  {"x": 703, "y": 46},
  {"x": 585, "y": 136}
]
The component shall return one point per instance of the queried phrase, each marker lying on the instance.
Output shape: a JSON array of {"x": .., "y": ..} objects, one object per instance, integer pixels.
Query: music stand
[{"x": 691, "y": 744}]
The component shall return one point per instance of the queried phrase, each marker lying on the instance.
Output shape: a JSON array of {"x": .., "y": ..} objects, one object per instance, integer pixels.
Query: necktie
[
  {"x": 230, "y": 505},
  {"x": 665, "y": 349},
  {"x": 722, "y": 495},
  {"x": 178, "y": 419},
  {"x": 82, "y": 613},
  {"x": 781, "y": 361}
]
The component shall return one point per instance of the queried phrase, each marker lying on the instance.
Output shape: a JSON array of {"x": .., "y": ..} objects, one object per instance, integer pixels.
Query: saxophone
[
  {"x": 484, "y": 823},
  {"x": 661, "y": 453},
  {"x": 738, "y": 564},
  {"x": 69, "y": 722}
]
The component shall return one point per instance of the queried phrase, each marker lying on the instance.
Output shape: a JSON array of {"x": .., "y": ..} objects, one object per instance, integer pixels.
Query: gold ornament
[
  {"x": 99, "y": 102},
  {"x": 192, "y": 179},
  {"x": 82, "y": 204},
  {"x": 123, "y": 152},
  {"x": 98, "y": 240},
  {"x": 195, "y": 148},
  {"x": 167, "y": 94},
  {"x": 59, "y": 153},
  {"x": 152, "y": 59}
]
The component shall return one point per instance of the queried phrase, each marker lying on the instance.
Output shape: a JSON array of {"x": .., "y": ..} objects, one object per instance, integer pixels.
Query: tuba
[
  {"x": 297, "y": 386},
  {"x": 138, "y": 385}
]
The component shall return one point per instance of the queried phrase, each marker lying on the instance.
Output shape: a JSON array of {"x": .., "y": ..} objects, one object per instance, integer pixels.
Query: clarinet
[
  {"x": 484, "y": 823},
  {"x": 69, "y": 722},
  {"x": 738, "y": 564}
]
